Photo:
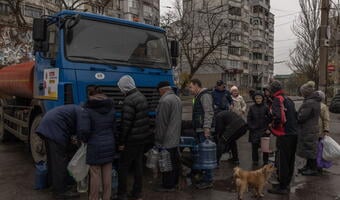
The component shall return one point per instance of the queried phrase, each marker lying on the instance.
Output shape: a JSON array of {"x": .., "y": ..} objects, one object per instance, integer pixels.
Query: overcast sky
[{"x": 285, "y": 11}]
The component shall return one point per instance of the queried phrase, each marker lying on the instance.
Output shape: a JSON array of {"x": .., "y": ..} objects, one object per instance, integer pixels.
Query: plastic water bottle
[
  {"x": 152, "y": 158},
  {"x": 82, "y": 186},
  {"x": 40, "y": 175},
  {"x": 114, "y": 184},
  {"x": 165, "y": 161}
]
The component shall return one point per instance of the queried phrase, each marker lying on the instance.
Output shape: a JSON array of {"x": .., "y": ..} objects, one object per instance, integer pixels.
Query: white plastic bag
[
  {"x": 77, "y": 166},
  {"x": 331, "y": 149}
]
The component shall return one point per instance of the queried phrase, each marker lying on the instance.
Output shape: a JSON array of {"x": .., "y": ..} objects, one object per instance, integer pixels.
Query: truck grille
[{"x": 151, "y": 95}]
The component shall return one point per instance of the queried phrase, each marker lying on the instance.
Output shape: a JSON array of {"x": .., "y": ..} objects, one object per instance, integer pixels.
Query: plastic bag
[
  {"x": 82, "y": 186},
  {"x": 320, "y": 161},
  {"x": 331, "y": 149},
  {"x": 77, "y": 166}
]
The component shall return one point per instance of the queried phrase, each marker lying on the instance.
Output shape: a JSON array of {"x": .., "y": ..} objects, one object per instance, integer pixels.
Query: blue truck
[{"x": 75, "y": 50}]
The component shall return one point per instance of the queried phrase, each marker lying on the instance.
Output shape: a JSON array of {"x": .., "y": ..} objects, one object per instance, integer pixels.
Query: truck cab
[{"x": 75, "y": 50}]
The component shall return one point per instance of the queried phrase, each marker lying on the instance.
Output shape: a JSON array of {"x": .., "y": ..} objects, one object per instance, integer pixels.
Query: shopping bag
[
  {"x": 265, "y": 141},
  {"x": 77, "y": 167},
  {"x": 320, "y": 161},
  {"x": 331, "y": 149}
]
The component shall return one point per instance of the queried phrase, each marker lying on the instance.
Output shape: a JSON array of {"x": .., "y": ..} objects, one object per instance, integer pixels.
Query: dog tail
[{"x": 236, "y": 173}]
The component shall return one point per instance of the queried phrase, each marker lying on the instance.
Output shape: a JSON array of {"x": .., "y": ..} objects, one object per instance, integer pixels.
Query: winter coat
[
  {"x": 135, "y": 123},
  {"x": 98, "y": 130},
  {"x": 59, "y": 124},
  {"x": 229, "y": 123},
  {"x": 222, "y": 100},
  {"x": 168, "y": 120},
  {"x": 308, "y": 119},
  {"x": 258, "y": 120},
  {"x": 240, "y": 106},
  {"x": 324, "y": 119}
]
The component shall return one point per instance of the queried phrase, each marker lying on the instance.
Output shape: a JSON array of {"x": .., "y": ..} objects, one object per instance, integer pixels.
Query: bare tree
[
  {"x": 100, "y": 5},
  {"x": 15, "y": 7},
  {"x": 201, "y": 30},
  {"x": 73, "y": 4},
  {"x": 304, "y": 58}
]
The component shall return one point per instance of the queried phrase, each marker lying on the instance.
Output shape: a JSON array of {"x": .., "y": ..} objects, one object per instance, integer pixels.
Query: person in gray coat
[
  {"x": 168, "y": 131},
  {"x": 308, "y": 119}
]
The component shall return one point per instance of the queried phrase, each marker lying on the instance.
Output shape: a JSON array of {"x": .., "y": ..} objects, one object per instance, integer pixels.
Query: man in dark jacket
[
  {"x": 57, "y": 127},
  {"x": 229, "y": 128},
  {"x": 284, "y": 126},
  {"x": 222, "y": 97},
  {"x": 168, "y": 131},
  {"x": 202, "y": 121},
  {"x": 134, "y": 135}
]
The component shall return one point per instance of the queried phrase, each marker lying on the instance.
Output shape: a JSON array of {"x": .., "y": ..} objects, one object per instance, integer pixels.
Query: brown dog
[{"x": 256, "y": 179}]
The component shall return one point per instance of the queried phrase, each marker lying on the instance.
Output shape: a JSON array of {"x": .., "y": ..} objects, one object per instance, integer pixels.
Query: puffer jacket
[
  {"x": 135, "y": 120},
  {"x": 258, "y": 120},
  {"x": 308, "y": 119},
  {"x": 240, "y": 106},
  {"x": 98, "y": 129}
]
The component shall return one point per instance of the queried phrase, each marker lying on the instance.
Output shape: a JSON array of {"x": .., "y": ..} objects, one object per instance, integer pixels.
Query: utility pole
[
  {"x": 325, "y": 5},
  {"x": 337, "y": 50}
]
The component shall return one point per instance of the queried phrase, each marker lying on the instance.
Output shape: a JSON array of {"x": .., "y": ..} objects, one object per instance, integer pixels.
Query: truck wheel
[
  {"x": 4, "y": 135},
  {"x": 37, "y": 145}
]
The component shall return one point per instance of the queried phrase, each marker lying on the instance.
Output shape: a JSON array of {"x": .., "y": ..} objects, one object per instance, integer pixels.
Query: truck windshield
[{"x": 96, "y": 41}]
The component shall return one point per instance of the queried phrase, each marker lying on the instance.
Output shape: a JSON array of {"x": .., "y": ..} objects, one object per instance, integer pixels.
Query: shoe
[
  {"x": 162, "y": 189},
  {"x": 278, "y": 190},
  {"x": 309, "y": 172},
  {"x": 67, "y": 195},
  {"x": 204, "y": 185}
]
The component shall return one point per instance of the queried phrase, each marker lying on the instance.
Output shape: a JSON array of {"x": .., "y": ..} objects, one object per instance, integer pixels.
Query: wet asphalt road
[{"x": 17, "y": 178}]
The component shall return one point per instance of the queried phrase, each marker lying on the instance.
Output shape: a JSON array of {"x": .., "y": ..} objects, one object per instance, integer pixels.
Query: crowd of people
[{"x": 215, "y": 115}]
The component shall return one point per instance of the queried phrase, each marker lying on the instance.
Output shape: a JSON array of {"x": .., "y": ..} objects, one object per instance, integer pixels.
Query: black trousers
[
  {"x": 225, "y": 148},
  {"x": 170, "y": 179},
  {"x": 286, "y": 146},
  {"x": 255, "y": 153},
  {"x": 131, "y": 158},
  {"x": 58, "y": 158}
]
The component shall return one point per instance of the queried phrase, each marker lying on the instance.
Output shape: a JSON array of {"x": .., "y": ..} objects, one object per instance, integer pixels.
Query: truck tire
[
  {"x": 4, "y": 135},
  {"x": 37, "y": 144}
]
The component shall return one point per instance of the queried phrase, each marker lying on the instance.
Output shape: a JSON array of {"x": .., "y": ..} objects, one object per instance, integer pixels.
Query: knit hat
[
  {"x": 321, "y": 94},
  {"x": 163, "y": 84},
  {"x": 275, "y": 86},
  {"x": 126, "y": 84},
  {"x": 234, "y": 88},
  {"x": 258, "y": 93},
  {"x": 307, "y": 89}
]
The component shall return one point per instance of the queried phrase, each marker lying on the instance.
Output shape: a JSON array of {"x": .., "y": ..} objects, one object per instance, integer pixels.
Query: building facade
[{"x": 247, "y": 60}]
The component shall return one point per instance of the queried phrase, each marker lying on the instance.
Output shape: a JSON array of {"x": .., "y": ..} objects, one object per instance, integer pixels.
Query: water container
[
  {"x": 82, "y": 186},
  {"x": 152, "y": 158},
  {"x": 114, "y": 184},
  {"x": 41, "y": 176},
  {"x": 165, "y": 161},
  {"x": 205, "y": 155},
  {"x": 265, "y": 141}
]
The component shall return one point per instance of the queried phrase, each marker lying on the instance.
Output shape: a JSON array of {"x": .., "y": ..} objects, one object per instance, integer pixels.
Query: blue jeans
[{"x": 207, "y": 173}]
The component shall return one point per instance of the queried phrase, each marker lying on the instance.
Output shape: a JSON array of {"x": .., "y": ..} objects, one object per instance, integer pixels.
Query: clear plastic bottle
[
  {"x": 165, "y": 164},
  {"x": 82, "y": 186}
]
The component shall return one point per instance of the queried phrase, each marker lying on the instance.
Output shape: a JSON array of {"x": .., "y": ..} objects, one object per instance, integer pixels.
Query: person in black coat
[
  {"x": 97, "y": 128},
  {"x": 229, "y": 128},
  {"x": 258, "y": 122},
  {"x": 134, "y": 135},
  {"x": 57, "y": 127}
]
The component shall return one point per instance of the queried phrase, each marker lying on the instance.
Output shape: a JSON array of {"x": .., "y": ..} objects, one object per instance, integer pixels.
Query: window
[
  {"x": 235, "y": 11},
  {"x": 235, "y": 23},
  {"x": 257, "y": 56},
  {"x": 234, "y": 64},
  {"x": 32, "y": 12},
  {"x": 234, "y": 50},
  {"x": 245, "y": 65},
  {"x": 4, "y": 9},
  {"x": 235, "y": 37},
  {"x": 245, "y": 27},
  {"x": 266, "y": 58}
]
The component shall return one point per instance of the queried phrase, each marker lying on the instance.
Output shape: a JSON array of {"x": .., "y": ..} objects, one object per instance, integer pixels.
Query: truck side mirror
[
  {"x": 174, "y": 49},
  {"x": 39, "y": 29},
  {"x": 40, "y": 35}
]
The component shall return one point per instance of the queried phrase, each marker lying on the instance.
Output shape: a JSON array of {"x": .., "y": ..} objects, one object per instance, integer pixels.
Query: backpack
[{"x": 285, "y": 105}]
